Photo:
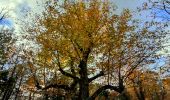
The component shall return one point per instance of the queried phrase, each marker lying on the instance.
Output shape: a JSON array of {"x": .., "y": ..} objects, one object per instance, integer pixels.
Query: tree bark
[
  {"x": 84, "y": 84},
  {"x": 84, "y": 80}
]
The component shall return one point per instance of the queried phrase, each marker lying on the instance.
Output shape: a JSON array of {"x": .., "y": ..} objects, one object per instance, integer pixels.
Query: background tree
[
  {"x": 5, "y": 41},
  {"x": 146, "y": 85},
  {"x": 8, "y": 66}
]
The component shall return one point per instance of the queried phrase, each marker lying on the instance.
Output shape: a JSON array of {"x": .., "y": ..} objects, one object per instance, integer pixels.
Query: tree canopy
[{"x": 85, "y": 41}]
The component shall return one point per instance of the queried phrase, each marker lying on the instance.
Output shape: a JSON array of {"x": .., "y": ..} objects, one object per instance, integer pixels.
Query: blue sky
[
  {"x": 7, "y": 22},
  {"x": 17, "y": 7}
]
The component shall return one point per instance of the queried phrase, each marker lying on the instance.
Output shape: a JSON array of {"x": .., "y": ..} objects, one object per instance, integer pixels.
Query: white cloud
[{"x": 16, "y": 6}]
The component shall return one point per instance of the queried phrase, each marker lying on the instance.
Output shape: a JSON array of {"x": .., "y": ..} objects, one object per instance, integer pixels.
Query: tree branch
[
  {"x": 37, "y": 84},
  {"x": 3, "y": 13},
  {"x": 67, "y": 74},
  {"x": 64, "y": 72},
  {"x": 65, "y": 87},
  {"x": 96, "y": 76},
  {"x": 95, "y": 94},
  {"x": 165, "y": 7}
]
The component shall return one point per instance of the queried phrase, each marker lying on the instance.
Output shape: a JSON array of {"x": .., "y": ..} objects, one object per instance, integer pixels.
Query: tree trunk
[
  {"x": 84, "y": 91},
  {"x": 9, "y": 89},
  {"x": 84, "y": 84},
  {"x": 124, "y": 95}
]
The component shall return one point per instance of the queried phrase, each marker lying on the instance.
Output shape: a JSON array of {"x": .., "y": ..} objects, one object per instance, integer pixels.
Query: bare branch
[
  {"x": 3, "y": 13},
  {"x": 95, "y": 94},
  {"x": 165, "y": 6},
  {"x": 65, "y": 87},
  {"x": 64, "y": 72},
  {"x": 67, "y": 74},
  {"x": 96, "y": 76}
]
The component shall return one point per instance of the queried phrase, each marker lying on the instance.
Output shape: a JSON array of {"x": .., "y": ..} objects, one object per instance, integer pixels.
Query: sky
[{"x": 18, "y": 6}]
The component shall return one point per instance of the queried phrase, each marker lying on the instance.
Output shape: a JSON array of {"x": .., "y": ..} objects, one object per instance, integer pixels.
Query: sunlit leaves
[{"x": 80, "y": 38}]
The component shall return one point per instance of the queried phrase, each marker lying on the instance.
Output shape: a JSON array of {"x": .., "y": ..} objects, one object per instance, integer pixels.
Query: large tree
[
  {"x": 86, "y": 41},
  {"x": 6, "y": 43}
]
